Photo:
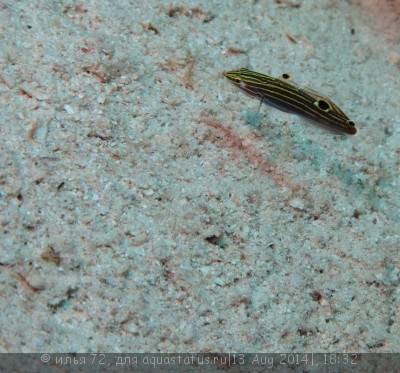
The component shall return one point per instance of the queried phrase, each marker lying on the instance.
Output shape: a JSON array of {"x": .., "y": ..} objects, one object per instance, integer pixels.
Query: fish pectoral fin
[{"x": 275, "y": 106}]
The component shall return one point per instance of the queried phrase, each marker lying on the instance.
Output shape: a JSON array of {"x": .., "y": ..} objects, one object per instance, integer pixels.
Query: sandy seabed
[{"x": 145, "y": 205}]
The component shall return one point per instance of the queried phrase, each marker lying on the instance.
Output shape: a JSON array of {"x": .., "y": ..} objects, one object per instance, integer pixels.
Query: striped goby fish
[{"x": 285, "y": 95}]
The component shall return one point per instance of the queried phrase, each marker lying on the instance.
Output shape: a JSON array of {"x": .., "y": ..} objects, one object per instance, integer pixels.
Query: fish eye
[
  {"x": 351, "y": 123},
  {"x": 237, "y": 80}
]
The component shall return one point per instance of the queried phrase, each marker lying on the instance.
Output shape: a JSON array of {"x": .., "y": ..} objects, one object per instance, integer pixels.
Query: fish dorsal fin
[
  {"x": 314, "y": 94},
  {"x": 286, "y": 77}
]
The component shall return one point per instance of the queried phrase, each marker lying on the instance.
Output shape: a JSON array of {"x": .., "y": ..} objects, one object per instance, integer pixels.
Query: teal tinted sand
[{"x": 140, "y": 212}]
